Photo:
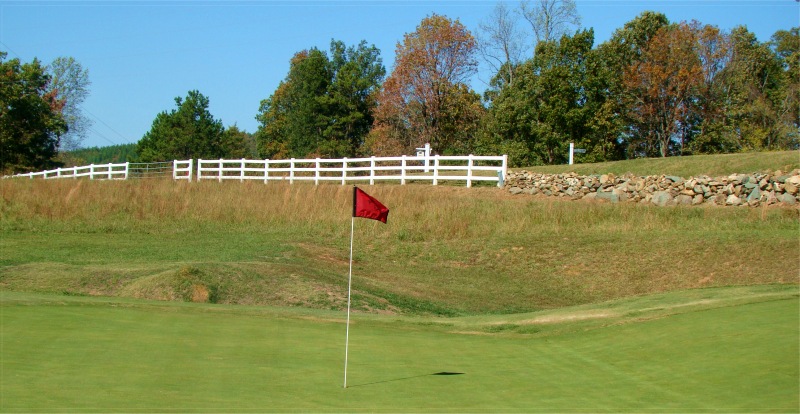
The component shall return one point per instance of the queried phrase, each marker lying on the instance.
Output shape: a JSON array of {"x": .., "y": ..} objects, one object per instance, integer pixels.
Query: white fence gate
[{"x": 433, "y": 169}]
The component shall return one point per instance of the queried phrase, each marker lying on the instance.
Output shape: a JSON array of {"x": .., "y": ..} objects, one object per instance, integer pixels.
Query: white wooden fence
[
  {"x": 433, "y": 169},
  {"x": 99, "y": 171}
]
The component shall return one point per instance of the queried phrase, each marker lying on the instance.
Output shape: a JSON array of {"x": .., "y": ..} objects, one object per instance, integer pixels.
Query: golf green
[{"x": 68, "y": 354}]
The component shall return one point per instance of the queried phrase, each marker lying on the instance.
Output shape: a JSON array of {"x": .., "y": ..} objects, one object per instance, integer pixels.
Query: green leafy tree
[
  {"x": 786, "y": 45},
  {"x": 357, "y": 76},
  {"x": 31, "y": 121},
  {"x": 188, "y": 132},
  {"x": 238, "y": 144},
  {"x": 757, "y": 103},
  {"x": 324, "y": 107},
  {"x": 547, "y": 106},
  {"x": 271, "y": 137},
  {"x": 307, "y": 116}
]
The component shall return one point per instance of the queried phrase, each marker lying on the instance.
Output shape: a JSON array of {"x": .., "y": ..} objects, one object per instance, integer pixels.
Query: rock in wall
[{"x": 734, "y": 190}]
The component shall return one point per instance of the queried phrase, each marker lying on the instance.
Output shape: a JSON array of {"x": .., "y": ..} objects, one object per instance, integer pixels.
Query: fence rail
[
  {"x": 433, "y": 169},
  {"x": 404, "y": 169},
  {"x": 99, "y": 171}
]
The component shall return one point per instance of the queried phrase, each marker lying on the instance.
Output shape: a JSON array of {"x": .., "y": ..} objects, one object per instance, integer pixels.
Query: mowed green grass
[
  {"x": 690, "y": 166},
  {"x": 715, "y": 350}
]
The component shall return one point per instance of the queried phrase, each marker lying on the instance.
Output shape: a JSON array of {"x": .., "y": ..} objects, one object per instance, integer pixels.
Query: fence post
[
  {"x": 403, "y": 171},
  {"x": 291, "y": 171},
  {"x": 266, "y": 170},
  {"x": 372, "y": 170},
  {"x": 199, "y": 169},
  {"x": 191, "y": 167},
  {"x": 127, "y": 168},
  {"x": 344, "y": 170},
  {"x": 436, "y": 169},
  {"x": 91, "y": 171},
  {"x": 241, "y": 174},
  {"x": 316, "y": 172},
  {"x": 469, "y": 170},
  {"x": 174, "y": 170},
  {"x": 571, "y": 151},
  {"x": 501, "y": 180}
]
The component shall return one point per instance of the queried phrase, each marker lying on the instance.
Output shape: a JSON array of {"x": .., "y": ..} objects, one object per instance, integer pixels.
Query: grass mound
[{"x": 446, "y": 251}]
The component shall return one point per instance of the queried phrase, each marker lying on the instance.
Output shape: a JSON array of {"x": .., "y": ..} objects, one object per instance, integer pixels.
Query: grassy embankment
[
  {"x": 446, "y": 251},
  {"x": 710, "y": 165},
  {"x": 65, "y": 346}
]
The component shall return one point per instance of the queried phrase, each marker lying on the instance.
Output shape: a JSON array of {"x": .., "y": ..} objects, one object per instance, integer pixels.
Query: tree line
[{"x": 656, "y": 88}]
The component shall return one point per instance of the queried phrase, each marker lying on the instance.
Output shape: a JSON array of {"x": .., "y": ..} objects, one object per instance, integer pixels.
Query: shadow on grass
[{"x": 443, "y": 373}]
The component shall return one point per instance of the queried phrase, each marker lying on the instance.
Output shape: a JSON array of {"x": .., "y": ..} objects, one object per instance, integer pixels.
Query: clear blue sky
[{"x": 142, "y": 54}]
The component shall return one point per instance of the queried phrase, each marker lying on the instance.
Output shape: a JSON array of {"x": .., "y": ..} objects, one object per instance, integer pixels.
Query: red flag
[{"x": 366, "y": 206}]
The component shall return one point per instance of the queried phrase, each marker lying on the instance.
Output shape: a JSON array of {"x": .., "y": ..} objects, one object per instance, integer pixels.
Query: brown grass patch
[
  {"x": 569, "y": 317},
  {"x": 200, "y": 293}
]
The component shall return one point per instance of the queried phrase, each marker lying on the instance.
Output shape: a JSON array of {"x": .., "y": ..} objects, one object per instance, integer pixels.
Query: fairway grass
[{"x": 706, "y": 350}]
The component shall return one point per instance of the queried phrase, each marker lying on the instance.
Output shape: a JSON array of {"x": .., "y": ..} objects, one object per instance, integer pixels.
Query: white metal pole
[
  {"x": 571, "y": 151},
  {"x": 349, "y": 284}
]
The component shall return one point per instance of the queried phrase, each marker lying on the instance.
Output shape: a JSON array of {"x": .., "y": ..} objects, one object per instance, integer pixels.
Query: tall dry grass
[
  {"x": 445, "y": 250},
  {"x": 418, "y": 212}
]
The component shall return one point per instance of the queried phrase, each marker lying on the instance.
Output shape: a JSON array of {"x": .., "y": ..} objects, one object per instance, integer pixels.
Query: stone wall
[{"x": 752, "y": 190}]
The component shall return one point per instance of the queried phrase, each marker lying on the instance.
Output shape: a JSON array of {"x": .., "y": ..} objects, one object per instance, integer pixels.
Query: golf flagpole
[
  {"x": 364, "y": 206},
  {"x": 349, "y": 285}
]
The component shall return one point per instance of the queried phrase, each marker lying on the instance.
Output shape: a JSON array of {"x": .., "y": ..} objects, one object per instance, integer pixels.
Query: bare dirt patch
[
  {"x": 324, "y": 254},
  {"x": 569, "y": 317}
]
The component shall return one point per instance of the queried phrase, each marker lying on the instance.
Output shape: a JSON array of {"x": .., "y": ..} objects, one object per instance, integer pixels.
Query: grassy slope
[
  {"x": 446, "y": 250},
  {"x": 730, "y": 350},
  {"x": 711, "y": 165},
  {"x": 473, "y": 252}
]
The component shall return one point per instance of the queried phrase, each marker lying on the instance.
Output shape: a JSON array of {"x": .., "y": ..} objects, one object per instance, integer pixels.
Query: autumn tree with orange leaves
[
  {"x": 426, "y": 97},
  {"x": 661, "y": 87}
]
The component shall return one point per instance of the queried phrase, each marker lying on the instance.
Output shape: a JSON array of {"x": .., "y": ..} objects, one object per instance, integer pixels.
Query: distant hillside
[{"x": 101, "y": 155}]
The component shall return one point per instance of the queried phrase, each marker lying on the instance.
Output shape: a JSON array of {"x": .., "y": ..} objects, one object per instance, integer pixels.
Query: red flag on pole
[{"x": 367, "y": 206}]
